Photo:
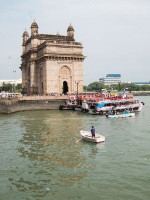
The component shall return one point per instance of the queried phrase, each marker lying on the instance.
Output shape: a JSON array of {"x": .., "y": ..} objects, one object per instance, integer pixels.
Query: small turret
[
  {"x": 25, "y": 36},
  {"x": 57, "y": 34},
  {"x": 34, "y": 29},
  {"x": 70, "y": 31}
]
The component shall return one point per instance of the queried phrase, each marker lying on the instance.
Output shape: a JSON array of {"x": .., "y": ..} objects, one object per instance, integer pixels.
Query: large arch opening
[
  {"x": 65, "y": 80},
  {"x": 65, "y": 87},
  {"x": 41, "y": 81},
  {"x": 28, "y": 80}
]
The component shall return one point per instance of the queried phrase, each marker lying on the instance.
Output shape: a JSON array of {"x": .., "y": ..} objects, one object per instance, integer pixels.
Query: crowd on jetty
[{"x": 5, "y": 95}]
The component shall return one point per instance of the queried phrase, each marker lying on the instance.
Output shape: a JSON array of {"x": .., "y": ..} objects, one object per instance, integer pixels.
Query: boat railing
[{"x": 97, "y": 97}]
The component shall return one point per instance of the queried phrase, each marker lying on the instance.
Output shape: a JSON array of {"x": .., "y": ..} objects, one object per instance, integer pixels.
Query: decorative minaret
[
  {"x": 34, "y": 29},
  {"x": 25, "y": 37},
  {"x": 70, "y": 32}
]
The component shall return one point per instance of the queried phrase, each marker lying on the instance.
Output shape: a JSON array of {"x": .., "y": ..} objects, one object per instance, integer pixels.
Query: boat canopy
[{"x": 100, "y": 105}]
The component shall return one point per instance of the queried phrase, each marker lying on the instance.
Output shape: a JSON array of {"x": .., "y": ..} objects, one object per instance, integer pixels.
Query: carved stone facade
[{"x": 51, "y": 63}]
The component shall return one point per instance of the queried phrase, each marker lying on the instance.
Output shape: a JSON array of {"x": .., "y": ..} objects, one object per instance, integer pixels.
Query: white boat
[
  {"x": 106, "y": 105},
  {"x": 129, "y": 104},
  {"x": 86, "y": 135},
  {"x": 123, "y": 115},
  {"x": 69, "y": 105}
]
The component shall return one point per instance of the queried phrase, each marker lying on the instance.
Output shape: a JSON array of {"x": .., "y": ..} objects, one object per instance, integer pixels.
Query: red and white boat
[{"x": 120, "y": 102}]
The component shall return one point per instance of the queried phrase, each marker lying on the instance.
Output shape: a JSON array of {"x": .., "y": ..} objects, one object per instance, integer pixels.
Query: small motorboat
[
  {"x": 94, "y": 112},
  {"x": 86, "y": 135},
  {"x": 66, "y": 107},
  {"x": 123, "y": 115},
  {"x": 77, "y": 108}
]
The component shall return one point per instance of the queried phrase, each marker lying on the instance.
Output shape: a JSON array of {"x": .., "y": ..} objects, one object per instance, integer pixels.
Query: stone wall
[
  {"x": 8, "y": 106},
  {"x": 141, "y": 93}
]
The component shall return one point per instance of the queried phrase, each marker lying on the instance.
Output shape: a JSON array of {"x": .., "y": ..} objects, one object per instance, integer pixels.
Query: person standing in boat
[{"x": 93, "y": 131}]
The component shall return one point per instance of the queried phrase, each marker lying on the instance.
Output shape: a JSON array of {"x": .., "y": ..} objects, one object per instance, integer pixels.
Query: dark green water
[{"x": 40, "y": 159}]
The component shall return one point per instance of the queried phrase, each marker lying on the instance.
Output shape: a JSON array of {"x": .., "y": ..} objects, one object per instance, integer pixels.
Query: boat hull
[
  {"x": 93, "y": 112},
  {"x": 77, "y": 108},
  {"x": 88, "y": 137},
  {"x": 122, "y": 115},
  {"x": 66, "y": 107}
]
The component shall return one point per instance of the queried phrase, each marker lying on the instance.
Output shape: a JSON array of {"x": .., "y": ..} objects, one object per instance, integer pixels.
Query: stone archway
[
  {"x": 65, "y": 79},
  {"x": 28, "y": 80},
  {"x": 65, "y": 87}
]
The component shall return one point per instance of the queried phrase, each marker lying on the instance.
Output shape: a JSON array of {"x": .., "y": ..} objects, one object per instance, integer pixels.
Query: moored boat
[
  {"x": 66, "y": 107},
  {"x": 77, "y": 108},
  {"x": 93, "y": 112},
  {"x": 86, "y": 135},
  {"x": 69, "y": 105},
  {"x": 123, "y": 115},
  {"x": 101, "y": 103},
  {"x": 102, "y": 107}
]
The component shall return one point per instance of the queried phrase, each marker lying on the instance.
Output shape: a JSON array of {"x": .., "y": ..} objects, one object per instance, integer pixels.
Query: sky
[{"x": 115, "y": 34}]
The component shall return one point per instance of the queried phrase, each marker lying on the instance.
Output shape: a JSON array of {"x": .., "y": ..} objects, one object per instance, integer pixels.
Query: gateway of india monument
[{"x": 51, "y": 63}]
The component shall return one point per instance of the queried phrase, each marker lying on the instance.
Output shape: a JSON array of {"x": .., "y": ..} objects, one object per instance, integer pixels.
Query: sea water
[{"x": 41, "y": 160}]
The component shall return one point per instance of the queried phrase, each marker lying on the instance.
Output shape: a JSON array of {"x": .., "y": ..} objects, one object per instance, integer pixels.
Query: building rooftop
[{"x": 113, "y": 75}]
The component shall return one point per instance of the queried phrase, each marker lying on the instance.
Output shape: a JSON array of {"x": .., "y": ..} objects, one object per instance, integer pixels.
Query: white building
[
  {"x": 141, "y": 83},
  {"x": 111, "y": 79},
  {"x": 19, "y": 81}
]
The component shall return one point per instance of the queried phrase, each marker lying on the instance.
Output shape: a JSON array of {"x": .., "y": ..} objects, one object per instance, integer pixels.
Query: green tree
[
  {"x": 7, "y": 87},
  {"x": 95, "y": 86},
  {"x": 19, "y": 88}
]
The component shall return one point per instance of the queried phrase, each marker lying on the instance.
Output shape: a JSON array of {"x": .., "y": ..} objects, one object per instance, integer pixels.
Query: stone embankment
[
  {"x": 141, "y": 93},
  {"x": 11, "y": 105}
]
